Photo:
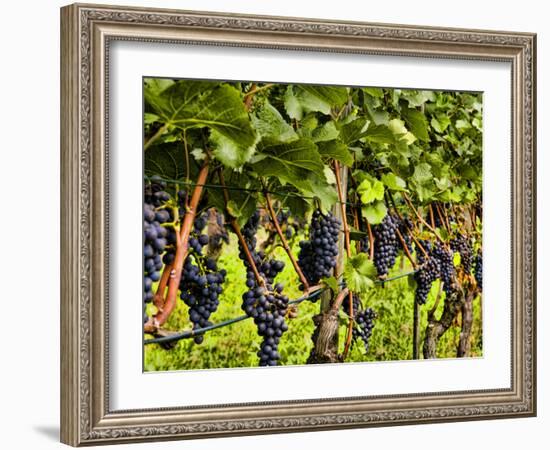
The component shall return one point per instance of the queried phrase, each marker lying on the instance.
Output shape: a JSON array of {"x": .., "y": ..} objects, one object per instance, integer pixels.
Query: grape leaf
[
  {"x": 336, "y": 150},
  {"x": 393, "y": 182},
  {"x": 422, "y": 173},
  {"x": 300, "y": 99},
  {"x": 440, "y": 123},
  {"x": 375, "y": 212},
  {"x": 353, "y": 131},
  {"x": 201, "y": 104},
  {"x": 327, "y": 132},
  {"x": 229, "y": 152},
  {"x": 168, "y": 160},
  {"x": 380, "y": 134},
  {"x": 269, "y": 123},
  {"x": 397, "y": 126},
  {"x": 417, "y": 123},
  {"x": 370, "y": 190},
  {"x": 359, "y": 273},
  {"x": 290, "y": 162},
  {"x": 331, "y": 283},
  {"x": 374, "y": 92}
]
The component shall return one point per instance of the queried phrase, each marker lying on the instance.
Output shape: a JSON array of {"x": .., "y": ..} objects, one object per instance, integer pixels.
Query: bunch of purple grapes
[
  {"x": 265, "y": 303},
  {"x": 317, "y": 256}
]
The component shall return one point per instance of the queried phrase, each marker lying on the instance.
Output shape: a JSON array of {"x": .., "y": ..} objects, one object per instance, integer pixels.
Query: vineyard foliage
[{"x": 238, "y": 173}]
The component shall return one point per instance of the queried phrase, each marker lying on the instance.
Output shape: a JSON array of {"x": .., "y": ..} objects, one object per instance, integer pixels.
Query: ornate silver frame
[{"x": 86, "y": 31}]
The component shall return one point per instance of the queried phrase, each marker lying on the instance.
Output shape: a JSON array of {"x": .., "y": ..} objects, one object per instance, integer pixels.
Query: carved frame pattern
[{"x": 86, "y": 33}]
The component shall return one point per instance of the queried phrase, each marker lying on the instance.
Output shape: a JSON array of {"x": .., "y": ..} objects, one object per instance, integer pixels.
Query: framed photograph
[{"x": 281, "y": 224}]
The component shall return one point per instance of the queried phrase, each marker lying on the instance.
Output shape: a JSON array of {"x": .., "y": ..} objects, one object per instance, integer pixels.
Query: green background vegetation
[{"x": 236, "y": 345}]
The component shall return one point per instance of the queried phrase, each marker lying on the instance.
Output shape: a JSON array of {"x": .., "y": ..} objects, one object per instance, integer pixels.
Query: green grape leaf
[
  {"x": 370, "y": 190},
  {"x": 353, "y": 131},
  {"x": 233, "y": 209},
  {"x": 379, "y": 134},
  {"x": 149, "y": 118},
  {"x": 269, "y": 123},
  {"x": 375, "y": 212},
  {"x": 374, "y": 92},
  {"x": 201, "y": 104},
  {"x": 422, "y": 173},
  {"x": 168, "y": 160},
  {"x": 417, "y": 98},
  {"x": 397, "y": 126},
  {"x": 335, "y": 150},
  {"x": 300, "y": 99},
  {"x": 393, "y": 182},
  {"x": 359, "y": 273},
  {"x": 152, "y": 87},
  {"x": 298, "y": 206},
  {"x": 290, "y": 162},
  {"x": 229, "y": 152},
  {"x": 440, "y": 122},
  {"x": 297, "y": 163},
  {"x": 416, "y": 122},
  {"x": 331, "y": 283},
  {"x": 243, "y": 203},
  {"x": 327, "y": 132},
  {"x": 329, "y": 175}
]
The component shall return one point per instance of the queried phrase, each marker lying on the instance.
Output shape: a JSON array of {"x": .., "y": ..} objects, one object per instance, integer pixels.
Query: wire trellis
[
  {"x": 199, "y": 331},
  {"x": 237, "y": 188}
]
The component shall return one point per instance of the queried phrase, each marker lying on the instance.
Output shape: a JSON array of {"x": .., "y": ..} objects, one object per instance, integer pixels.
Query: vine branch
[
  {"x": 348, "y": 252},
  {"x": 237, "y": 229},
  {"x": 160, "y": 318},
  {"x": 288, "y": 251}
]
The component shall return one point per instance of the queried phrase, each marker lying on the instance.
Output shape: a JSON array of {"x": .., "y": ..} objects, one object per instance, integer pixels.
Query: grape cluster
[
  {"x": 447, "y": 270},
  {"x": 266, "y": 304},
  {"x": 364, "y": 320},
  {"x": 154, "y": 242},
  {"x": 268, "y": 309},
  {"x": 429, "y": 272},
  {"x": 386, "y": 245},
  {"x": 478, "y": 269},
  {"x": 365, "y": 323},
  {"x": 154, "y": 192},
  {"x": 356, "y": 305},
  {"x": 201, "y": 281},
  {"x": 317, "y": 255},
  {"x": 462, "y": 245}
]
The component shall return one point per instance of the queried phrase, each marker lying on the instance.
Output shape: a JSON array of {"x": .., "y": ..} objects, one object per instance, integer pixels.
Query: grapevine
[{"x": 258, "y": 193}]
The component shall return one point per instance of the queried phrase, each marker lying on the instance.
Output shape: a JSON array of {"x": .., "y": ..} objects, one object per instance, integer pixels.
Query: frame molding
[{"x": 86, "y": 31}]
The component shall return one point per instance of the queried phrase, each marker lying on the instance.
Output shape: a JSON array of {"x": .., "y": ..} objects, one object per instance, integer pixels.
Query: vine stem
[
  {"x": 288, "y": 251},
  {"x": 420, "y": 218},
  {"x": 159, "y": 300},
  {"x": 339, "y": 300},
  {"x": 181, "y": 253},
  {"x": 371, "y": 241},
  {"x": 405, "y": 248},
  {"x": 237, "y": 229},
  {"x": 416, "y": 327},
  {"x": 432, "y": 311},
  {"x": 432, "y": 219},
  {"x": 390, "y": 195},
  {"x": 155, "y": 136},
  {"x": 442, "y": 218},
  {"x": 419, "y": 245},
  {"x": 348, "y": 252},
  {"x": 258, "y": 89}
]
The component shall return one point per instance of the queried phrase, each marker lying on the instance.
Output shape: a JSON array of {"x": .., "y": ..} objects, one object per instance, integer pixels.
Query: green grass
[{"x": 236, "y": 345}]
